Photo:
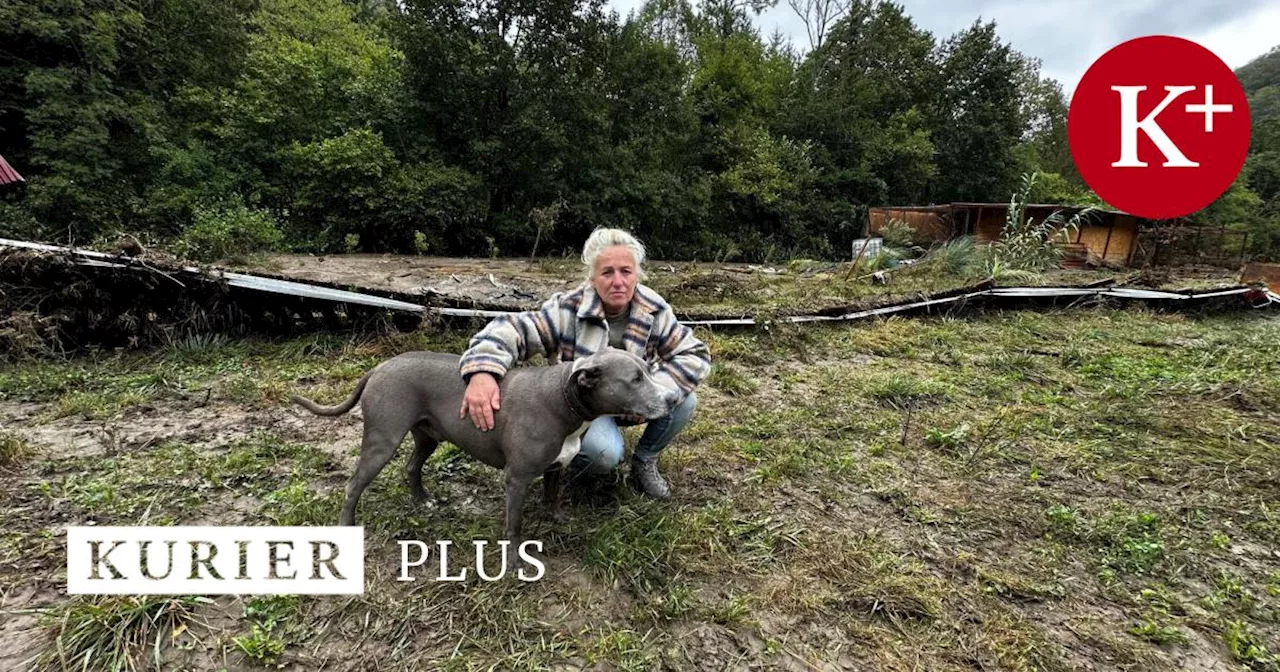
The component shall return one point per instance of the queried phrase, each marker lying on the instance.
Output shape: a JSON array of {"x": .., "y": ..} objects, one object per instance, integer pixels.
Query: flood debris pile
[{"x": 61, "y": 301}]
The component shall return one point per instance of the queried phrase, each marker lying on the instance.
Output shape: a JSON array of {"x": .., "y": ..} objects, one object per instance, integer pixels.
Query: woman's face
[{"x": 615, "y": 277}]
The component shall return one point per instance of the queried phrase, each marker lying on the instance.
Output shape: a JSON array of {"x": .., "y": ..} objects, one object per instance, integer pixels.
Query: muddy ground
[{"x": 1089, "y": 489}]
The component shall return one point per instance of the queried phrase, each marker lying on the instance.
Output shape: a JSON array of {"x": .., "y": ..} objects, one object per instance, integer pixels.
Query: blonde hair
[{"x": 603, "y": 238}]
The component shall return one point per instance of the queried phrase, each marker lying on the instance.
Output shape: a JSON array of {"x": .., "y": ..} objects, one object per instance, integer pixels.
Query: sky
[{"x": 1068, "y": 35}]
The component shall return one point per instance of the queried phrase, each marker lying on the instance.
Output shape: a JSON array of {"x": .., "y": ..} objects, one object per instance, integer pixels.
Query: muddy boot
[{"x": 645, "y": 476}]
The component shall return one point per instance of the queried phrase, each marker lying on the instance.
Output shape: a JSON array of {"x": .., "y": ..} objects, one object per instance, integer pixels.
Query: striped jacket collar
[{"x": 644, "y": 301}]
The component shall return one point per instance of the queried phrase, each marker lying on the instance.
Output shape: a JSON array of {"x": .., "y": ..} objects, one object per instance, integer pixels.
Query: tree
[
  {"x": 818, "y": 17},
  {"x": 978, "y": 119}
]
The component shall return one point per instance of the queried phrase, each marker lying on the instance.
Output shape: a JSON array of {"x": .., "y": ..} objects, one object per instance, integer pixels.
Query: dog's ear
[{"x": 588, "y": 375}]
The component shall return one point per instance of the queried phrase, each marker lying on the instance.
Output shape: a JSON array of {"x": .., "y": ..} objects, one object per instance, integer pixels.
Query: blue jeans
[{"x": 602, "y": 447}]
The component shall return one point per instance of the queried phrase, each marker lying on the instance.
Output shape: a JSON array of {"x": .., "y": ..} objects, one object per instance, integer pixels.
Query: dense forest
[{"x": 491, "y": 127}]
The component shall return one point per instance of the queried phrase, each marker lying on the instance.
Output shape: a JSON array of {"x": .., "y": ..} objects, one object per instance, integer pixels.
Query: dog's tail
[{"x": 345, "y": 406}]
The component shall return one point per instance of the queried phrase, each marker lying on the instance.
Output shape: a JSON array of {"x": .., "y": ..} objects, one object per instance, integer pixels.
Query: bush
[
  {"x": 228, "y": 230},
  {"x": 1027, "y": 247},
  {"x": 897, "y": 233}
]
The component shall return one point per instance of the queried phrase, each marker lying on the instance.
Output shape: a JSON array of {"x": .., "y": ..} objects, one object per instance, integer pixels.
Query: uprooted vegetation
[{"x": 1016, "y": 491}]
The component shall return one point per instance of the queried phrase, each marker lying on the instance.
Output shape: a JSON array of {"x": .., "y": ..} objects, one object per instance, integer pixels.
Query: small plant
[
  {"x": 12, "y": 448},
  {"x": 351, "y": 242},
  {"x": 113, "y": 633},
  {"x": 260, "y": 645},
  {"x": 297, "y": 504},
  {"x": 950, "y": 439},
  {"x": 1063, "y": 518},
  {"x": 269, "y": 618},
  {"x": 1247, "y": 648},
  {"x": 885, "y": 257},
  {"x": 956, "y": 257},
  {"x": 544, "y": 221},
  {"x": 731, "y": 380},
  {"x": 420, "y": 242},
  {"x": 678, "y": 601},
  {"x": 1152, "y": 630},
  {"x": 897, "y": 233},
  {"x": 732, "y": 611},
  {"x": 1027, "y": 246}
]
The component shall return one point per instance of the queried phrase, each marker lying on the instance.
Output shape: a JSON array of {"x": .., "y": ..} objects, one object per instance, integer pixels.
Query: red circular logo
[{"x": 1159, "y": 127}]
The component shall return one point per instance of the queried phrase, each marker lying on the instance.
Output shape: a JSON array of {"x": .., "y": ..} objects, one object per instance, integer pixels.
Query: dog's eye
[{"x": 639, "y": 377}]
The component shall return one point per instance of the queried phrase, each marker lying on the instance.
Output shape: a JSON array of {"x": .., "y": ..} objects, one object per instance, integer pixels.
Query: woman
[{"x": 610, "y": 309}]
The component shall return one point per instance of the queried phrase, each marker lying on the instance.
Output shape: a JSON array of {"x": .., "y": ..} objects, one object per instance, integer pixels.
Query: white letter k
[{"x": 1129, "y": 127}]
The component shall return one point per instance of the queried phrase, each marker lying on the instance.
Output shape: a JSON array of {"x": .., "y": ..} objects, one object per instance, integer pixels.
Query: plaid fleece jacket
[{"x": 572, "y": 324}]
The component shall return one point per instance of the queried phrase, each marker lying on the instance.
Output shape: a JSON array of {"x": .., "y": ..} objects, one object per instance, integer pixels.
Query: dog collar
[{"x": 570, "y": 392}]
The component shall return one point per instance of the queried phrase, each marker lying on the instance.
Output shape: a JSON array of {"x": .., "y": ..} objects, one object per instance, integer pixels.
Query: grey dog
[{"x": 538, "y": 430}]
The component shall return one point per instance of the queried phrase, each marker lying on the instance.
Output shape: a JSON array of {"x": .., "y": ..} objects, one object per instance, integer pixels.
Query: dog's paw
[{"x": 513, "y": 565}]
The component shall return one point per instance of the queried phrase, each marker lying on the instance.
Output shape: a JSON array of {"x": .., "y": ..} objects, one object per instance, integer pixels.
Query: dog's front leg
[
  {"x": 553, "y": 493},
  {"x": 517, "y": 488}
]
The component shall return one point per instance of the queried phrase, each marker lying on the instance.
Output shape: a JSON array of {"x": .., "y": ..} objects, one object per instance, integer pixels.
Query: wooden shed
[{"x": 1109, "y": 236}]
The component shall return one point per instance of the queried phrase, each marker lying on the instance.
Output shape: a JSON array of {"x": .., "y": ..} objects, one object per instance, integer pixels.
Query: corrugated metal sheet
[
  {"x": 244, "y": 281},
  {"x": 7, "y": 174},
  {"x": 1253, "y": 295}
]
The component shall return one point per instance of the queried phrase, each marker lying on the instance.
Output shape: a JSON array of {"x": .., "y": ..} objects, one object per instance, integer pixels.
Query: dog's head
[{"x": 616, "y": 382}]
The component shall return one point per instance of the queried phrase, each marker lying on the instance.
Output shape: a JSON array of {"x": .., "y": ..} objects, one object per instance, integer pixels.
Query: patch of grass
[
  {"x": 13, "y": 448},
  {"x": 731, "y": 380},
  {"x": 949, "y": 439},
  {"x": 1017, "y": 587},
  {"x": 1159, "y": 624},
  {"x": 625, "y": 649},
  {"x": 95, "y": 405},
  {"x": 900, "y": 391},
  {"x": 112, "y": 633},
  {"x": 733, "y": 611},
  {"x": 270, "y": 618},
  {"x": 679, "y": 600},
  {"x": 1246, "y": 647},
  {"x": 173, "y": 480},
  {"x": 743, "y": 348},
  {"x": 1123, "y": 540},
  {"x": 299, "y": 503}
]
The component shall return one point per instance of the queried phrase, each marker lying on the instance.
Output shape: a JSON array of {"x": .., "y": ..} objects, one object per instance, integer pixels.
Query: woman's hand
[{"x": 481, "y": 401}]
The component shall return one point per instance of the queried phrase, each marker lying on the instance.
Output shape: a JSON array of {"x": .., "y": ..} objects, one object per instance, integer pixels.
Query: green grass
[
  {"x": 270, "y": 619},
  {"x": 909, "y": 492},
  {"x": 113, "y": 633},
  {"x": 13, "y": 448}
]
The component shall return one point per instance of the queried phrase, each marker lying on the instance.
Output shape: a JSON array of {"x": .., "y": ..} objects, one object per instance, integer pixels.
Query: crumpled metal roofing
[{"x": 1258, "y": 298}]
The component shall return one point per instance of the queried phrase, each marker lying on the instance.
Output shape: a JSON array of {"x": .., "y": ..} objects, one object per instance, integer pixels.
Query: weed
[
  {"x": 298, "y": 503},
  {"x": 270, "y": 618},
  {"x": 12, "y": 448},
  {"x": 1248, "y": 648},
  {"x": 113, "y": 633},
  {"x": 731, "y": 380}
]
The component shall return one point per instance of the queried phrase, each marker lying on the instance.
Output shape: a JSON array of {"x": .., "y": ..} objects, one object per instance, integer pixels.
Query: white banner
[{"x": 215, "y": 560}]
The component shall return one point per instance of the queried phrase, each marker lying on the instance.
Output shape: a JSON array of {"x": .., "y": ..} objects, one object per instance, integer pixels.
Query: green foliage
[
  {"x": 228, "y": 230},
  {"x": 434, "y": 127},
  {"x": 957, "y": 257},
  {"x": 897, "y": 233},
  {"x": 979, "y": 117},
  {"x": 1030, "y": 246},
  {"x": 269, "y": 618},
  {"x": 12, "y": 448},
  {"x": 114, "y": 633},
  {"x": 1246, "y": 647}
]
